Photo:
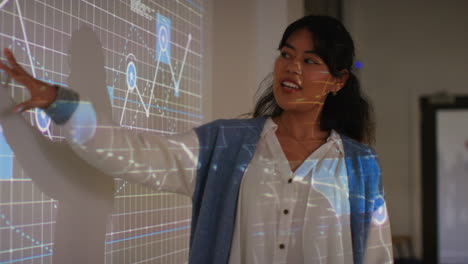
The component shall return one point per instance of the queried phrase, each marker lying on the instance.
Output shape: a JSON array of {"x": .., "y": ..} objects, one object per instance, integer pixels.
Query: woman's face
[{"x": 301, "y": 78}]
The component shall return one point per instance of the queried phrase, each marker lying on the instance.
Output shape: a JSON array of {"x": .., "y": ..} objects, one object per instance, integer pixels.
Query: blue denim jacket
[{"x": 226, "y": 148}]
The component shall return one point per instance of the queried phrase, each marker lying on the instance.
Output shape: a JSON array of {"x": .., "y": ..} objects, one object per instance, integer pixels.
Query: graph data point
[
  {"x": 163, "y": 38},
  {"x": 42, "y": 120},
  {"x": 131, "y": 76}
]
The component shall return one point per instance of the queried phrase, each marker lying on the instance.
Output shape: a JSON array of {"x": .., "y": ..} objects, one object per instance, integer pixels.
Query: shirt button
[
  {"x": 290, "y": 180},
  {"x": 286, "y": 211},
  {"x": 281, "y": 246}
]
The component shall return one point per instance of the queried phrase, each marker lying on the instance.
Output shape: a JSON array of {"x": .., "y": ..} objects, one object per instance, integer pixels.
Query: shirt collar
[
  {"x": 271, "y": 127},
  {"x": 335, "y": 137}
]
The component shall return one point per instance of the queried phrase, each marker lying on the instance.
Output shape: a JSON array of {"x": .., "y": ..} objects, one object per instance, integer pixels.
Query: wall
[
  {"x": 234, "y": 47},
  {"x": 409, "y": 49},
  {"x": 245, "y": 38}
]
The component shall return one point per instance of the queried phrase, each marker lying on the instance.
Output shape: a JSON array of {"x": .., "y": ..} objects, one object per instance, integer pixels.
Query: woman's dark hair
[{"x": 348, "y": 112}]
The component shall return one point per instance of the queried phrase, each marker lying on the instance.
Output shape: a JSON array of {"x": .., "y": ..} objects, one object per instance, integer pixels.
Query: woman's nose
[{"x": 295, "y": 67}]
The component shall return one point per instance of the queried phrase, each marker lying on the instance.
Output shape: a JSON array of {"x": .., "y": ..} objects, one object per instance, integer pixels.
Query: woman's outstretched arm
[{"x": 164, "y": 163}]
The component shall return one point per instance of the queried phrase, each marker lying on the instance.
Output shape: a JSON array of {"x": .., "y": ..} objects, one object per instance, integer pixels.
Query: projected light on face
[{"x": 301, "y": 78}]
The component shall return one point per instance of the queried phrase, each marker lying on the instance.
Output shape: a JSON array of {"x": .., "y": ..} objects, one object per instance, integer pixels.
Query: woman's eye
[
  {"x": 285, "y": 55},
  {"x": 309, "y": 61}
]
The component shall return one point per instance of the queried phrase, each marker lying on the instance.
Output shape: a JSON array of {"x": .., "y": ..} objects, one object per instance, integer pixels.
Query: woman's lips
[{"x": 290, "y": 86}]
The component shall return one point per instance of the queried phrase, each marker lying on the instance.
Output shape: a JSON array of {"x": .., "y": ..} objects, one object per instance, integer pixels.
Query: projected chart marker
[
  {"x": 163, "y": 38},
  {"x": 42, "y": 121},
  {"x": 163, "y": 41},
  {"x": 131, "y": 76}
]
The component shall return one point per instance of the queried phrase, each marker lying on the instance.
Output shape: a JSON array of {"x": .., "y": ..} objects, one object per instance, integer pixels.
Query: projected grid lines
[{"x": 166, "y": 98}]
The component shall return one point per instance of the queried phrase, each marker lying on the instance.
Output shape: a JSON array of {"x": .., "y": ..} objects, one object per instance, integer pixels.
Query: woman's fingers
[
  {"x": 11, "y": 59},
  {"x": 18, "y": 73},
  {"x": 12, "y": 63},
  {"x": 14, "y": 69},
  {"x": 24, "y": 106},
  {"x": 42, "y": 94}
]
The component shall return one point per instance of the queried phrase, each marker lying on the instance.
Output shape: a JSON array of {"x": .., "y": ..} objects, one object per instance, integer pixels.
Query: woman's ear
[{"x": 340, "y": 81}]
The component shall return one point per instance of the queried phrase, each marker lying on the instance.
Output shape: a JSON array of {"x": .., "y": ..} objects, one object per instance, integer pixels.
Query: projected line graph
[
  {"x": 132, "y": 74},
  {"x": 153, "y": 67},
  {"x": 166, "y": 79}
]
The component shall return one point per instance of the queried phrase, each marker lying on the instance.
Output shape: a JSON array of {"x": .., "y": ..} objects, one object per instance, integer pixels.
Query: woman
[{"x": 294, "y": 184}]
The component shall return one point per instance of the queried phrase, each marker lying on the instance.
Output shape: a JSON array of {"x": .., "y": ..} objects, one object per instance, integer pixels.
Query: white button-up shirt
[{"x": 301, "y": 216}]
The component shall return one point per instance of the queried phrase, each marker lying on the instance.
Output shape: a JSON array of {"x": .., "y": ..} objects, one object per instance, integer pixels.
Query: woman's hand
[{"x": 42, "y": 93}]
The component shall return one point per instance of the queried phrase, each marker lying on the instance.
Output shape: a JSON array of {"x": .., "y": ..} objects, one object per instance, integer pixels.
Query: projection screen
[{"x": 153, "y": 63}]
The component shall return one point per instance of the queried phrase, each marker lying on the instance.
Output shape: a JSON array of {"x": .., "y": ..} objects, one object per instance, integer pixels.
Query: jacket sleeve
[
  {"x": 160, "y": 162},
  {"x": 378, "y": 247},
  {"x": 379, "y": 238}
]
